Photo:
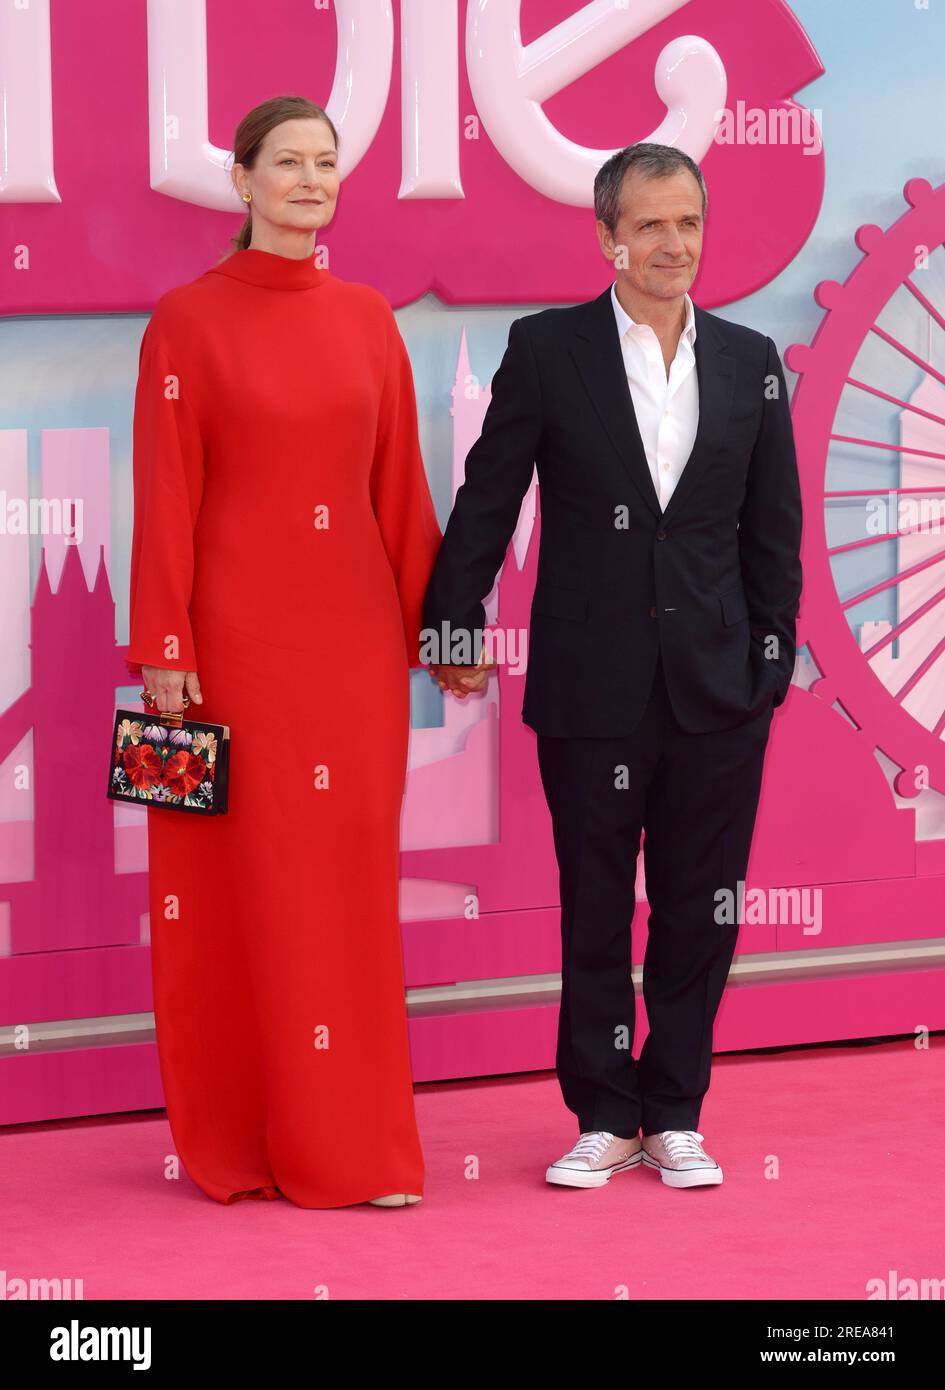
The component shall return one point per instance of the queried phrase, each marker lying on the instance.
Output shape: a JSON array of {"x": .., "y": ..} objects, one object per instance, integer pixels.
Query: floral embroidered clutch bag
[{"x": 166, "y": 760}]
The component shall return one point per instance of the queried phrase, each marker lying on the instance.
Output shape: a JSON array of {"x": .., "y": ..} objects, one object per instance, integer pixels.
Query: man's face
[{"x": 658, "y": 239}]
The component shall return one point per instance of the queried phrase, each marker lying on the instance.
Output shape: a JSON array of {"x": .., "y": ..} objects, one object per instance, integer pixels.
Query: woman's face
[{"x": 294, "y": 181}]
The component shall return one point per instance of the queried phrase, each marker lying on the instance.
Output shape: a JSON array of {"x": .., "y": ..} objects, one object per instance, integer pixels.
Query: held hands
[
  {"x": 462, "y": 680},
  {"x": 169, "y": 687}
]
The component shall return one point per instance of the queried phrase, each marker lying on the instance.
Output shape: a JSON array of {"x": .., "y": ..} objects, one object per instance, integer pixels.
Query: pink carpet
[{"x": 855, "y": 1133}]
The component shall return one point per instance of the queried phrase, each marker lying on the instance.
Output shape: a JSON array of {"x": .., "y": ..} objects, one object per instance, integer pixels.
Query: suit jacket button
[
  {"x": 652, "y": 612},
  {"x": 661, "y": 535}
]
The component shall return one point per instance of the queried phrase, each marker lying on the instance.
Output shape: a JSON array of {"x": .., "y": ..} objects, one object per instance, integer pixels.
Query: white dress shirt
[{"x": 667, "y": 409}]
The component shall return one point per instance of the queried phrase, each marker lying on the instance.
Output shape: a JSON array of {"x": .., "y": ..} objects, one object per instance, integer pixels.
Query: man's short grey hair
[{"x": 653, "y": 162}]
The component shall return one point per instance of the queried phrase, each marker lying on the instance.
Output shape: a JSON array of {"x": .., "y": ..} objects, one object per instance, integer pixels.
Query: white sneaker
[
  {"x": 680, "y": 1158},
  {"x": 596, "y": 1156}
]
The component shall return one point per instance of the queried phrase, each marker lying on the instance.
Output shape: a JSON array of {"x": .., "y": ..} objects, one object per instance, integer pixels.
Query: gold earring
[{"x": 247, "y": 197}]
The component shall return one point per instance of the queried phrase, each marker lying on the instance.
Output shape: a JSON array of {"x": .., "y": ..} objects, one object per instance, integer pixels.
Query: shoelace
[
  {"x": 683, "y": 1143},
  {"x": 592, "y": 1144}
]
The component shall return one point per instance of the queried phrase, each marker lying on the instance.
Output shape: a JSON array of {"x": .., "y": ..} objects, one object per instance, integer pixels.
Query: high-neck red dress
[{"x": 283, "y": 538}]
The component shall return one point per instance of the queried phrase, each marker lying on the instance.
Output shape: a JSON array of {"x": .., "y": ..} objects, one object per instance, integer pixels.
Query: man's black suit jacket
[{"x": 714, "y": 581}]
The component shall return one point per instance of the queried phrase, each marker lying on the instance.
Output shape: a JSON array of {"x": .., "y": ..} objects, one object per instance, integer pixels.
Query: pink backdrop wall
[{"x": 446, "y": 157}]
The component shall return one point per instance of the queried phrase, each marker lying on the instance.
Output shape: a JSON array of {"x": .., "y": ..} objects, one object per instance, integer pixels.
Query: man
[{"x": 662, "y": 637}]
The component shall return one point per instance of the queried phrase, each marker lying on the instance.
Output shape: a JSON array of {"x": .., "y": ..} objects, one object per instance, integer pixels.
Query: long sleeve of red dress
[
  {"x": 168, "y": 484},
  {"x": 400, "y": 495}
]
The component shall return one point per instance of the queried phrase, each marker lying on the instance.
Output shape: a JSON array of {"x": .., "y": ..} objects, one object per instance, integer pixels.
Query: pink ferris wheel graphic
[{"x": 881, "y": 325}]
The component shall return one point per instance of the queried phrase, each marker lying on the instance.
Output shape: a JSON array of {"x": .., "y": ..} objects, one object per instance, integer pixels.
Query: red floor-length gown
[{"x": 283, "y": 538}]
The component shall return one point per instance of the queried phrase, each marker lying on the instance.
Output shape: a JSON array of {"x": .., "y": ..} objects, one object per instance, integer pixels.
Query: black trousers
[{"x": 694, "y": 797}]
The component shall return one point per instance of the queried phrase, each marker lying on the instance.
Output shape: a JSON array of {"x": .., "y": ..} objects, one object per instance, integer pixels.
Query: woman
[{"x": 283, "y": 538}]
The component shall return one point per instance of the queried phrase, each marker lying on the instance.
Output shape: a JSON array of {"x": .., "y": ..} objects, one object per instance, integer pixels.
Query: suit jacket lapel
[
  {"x": 597, "y": 355},
  {"x": 715, "y": 369},
  {"x": 599, "y": 360}
]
